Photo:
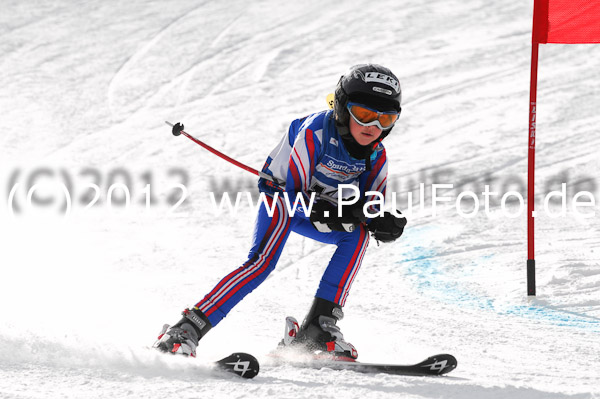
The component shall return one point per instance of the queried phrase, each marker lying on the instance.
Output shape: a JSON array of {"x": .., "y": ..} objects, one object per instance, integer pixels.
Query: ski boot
[
  {"x": 319, "y": 333},
  {"x": 182, "y": 338}
]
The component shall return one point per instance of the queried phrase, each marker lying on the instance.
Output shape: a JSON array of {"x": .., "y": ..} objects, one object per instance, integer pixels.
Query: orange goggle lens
[{"x": 367, "y": 116}]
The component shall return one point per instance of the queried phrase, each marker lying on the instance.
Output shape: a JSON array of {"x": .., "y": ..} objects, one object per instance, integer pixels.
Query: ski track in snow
[{"x": 91, "y": 86}]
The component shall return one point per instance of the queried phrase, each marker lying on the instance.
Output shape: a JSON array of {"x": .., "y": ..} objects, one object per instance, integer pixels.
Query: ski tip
[
  {"x": 242, "y": 364},
  {"x": 439, "y": 364}
]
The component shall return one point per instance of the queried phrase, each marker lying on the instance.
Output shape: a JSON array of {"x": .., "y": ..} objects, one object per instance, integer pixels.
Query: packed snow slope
[{"x": 85, "y": 90}]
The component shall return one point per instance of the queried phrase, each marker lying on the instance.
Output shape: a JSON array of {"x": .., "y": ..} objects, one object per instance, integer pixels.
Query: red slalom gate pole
[{"x": 531, "y": 291}]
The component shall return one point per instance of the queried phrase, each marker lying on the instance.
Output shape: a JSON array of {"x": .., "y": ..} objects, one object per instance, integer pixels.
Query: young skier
[{"x": 319, "y": 152}]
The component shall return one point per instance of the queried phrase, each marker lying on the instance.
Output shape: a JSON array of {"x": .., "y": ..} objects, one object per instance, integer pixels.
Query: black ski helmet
[{"x": 368, "y": 84}]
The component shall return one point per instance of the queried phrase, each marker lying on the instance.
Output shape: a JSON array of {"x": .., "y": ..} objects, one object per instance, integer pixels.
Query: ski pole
[{"x": 178, "y": 130}]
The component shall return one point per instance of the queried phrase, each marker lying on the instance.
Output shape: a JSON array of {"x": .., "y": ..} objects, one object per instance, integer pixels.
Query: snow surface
[{"x": 86, "y": 88}]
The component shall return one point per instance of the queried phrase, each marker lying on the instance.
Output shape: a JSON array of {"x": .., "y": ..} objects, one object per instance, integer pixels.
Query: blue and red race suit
[{"x": 310, "y": 157}]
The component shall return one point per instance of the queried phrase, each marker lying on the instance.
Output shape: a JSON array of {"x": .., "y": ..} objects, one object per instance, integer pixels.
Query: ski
[
  {"x": 242, "y": 364},
  {"x": 287, "y": 354},
  {"x": 432, "y": 366}
]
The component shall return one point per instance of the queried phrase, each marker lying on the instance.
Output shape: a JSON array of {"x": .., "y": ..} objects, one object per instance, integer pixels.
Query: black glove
[
  {"x": 387, "y": 228},
  {"x": 352, "y": 216}
]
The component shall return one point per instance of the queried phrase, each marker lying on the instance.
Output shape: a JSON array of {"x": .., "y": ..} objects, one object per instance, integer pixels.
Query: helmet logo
[
  {"x": 382, "y": 78},
  {"x": 381, "y": 90}
]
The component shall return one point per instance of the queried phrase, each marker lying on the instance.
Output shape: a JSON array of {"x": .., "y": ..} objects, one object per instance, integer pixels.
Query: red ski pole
[{"x": 178, "y": 130}]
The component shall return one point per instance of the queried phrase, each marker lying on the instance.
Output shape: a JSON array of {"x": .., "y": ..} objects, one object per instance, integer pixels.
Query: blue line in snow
[{"x": 431, "y": 278}]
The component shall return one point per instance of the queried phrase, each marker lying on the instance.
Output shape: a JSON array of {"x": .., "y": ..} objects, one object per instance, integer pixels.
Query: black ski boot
[
  {"x": 319, "y": 332},
  {"x": 182, "y": 338}
]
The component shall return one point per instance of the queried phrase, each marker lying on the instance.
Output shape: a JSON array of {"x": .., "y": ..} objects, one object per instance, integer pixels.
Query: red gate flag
[{"x": 566, "y": 21}]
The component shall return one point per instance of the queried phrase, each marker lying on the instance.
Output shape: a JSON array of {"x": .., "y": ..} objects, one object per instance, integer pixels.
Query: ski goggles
[{"x": 366, "y": 116}]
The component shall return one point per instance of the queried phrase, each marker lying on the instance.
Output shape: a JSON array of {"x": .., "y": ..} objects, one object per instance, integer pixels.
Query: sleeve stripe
[
  {"x": 299, "y": 160},
  {"x": 382, "y": 186},
  {"x": 295, "y": 173},
  {"x": 379, "y": 189},
  {"x": 372, "y": 180},
  {"x": 379, "y": 166},
  {"x": 310, "y": 147},
  {"x": 302, "y": 160}
]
